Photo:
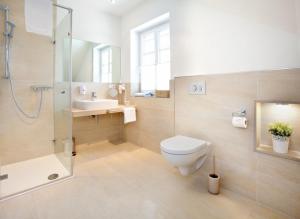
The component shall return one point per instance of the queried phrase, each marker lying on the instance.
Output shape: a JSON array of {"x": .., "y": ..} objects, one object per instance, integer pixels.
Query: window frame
[
  {"x": 156, "y": 30},
  {"x": 100, "y": 63}
]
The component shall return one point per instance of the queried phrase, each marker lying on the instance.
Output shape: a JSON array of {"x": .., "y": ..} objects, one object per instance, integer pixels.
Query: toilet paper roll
[{"x": 240, "y": 122}]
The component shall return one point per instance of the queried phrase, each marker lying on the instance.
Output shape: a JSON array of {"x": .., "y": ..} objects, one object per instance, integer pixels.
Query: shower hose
[{"x": 39, "y": 107}]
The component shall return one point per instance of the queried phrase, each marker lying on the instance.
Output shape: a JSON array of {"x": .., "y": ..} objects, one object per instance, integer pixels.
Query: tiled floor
[{"x": 128, "y": 182}]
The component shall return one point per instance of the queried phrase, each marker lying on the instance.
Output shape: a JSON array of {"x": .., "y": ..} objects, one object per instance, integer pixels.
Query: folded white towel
[
  {"x": 129, "y": 115},
  {"x": 38, "y": 16}
]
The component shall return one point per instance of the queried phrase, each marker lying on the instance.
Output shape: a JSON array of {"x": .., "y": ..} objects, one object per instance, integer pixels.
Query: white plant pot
[{"x": 280, "y": 144}]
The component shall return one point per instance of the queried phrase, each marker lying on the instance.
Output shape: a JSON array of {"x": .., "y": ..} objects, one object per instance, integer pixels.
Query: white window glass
[
  {"x": 148, "y": 78},
  {"x": 164, "y": 39},
  {"x": 164, "y": 56},
  {"x": 163, "y": 77},
  {"x": 148, "y": 45},
  {"x": 105, "y": 57},
  {"x": 148, "y": 35},
  {"x": 106, "y": 65},
  {"x": 148, "y": 59},
  {"x": 154, "y": 58}
]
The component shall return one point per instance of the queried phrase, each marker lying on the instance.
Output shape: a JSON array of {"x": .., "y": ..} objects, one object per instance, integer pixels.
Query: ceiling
[{"x": 120, "y": 8}]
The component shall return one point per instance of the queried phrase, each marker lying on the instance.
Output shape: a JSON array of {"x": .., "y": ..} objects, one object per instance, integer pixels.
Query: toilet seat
[{"x": 182, "y": 145}]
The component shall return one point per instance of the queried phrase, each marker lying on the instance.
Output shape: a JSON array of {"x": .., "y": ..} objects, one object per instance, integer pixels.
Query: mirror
[{"x": 94, "y": 62}]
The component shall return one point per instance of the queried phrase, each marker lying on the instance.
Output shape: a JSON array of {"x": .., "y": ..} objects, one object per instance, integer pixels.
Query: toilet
[{"x": 186, "y": 153}]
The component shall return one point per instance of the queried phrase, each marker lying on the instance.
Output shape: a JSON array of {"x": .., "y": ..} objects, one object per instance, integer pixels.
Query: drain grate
[{"x": 53, "y": 176}]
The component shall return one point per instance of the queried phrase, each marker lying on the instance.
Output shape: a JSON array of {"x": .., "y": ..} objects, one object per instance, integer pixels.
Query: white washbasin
[{"x": 95, "y": 104}]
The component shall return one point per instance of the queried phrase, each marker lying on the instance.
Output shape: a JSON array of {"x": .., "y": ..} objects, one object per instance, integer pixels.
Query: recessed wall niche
[{"x": 268, "y": 112}]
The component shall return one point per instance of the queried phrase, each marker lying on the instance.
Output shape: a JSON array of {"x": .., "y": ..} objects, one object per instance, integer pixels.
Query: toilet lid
[{"x": 182, "y": 145}]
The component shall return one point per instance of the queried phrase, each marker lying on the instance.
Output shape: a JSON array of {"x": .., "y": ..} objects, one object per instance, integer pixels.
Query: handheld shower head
[
  {"x": 9, "y": 26},
  {"x": 10, "y": 30}
]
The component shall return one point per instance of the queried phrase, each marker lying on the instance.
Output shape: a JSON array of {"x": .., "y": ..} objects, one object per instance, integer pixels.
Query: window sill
[
  {"x": 157, "y": 94},
  {"x": 152, "y": 97}
]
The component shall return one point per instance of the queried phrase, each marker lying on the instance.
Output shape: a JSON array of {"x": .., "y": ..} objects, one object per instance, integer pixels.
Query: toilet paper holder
[
  {"x": 242, "y": 113},
  {"x": 239, "y": 119}
]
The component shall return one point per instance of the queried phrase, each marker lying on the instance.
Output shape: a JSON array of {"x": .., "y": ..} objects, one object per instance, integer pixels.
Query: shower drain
[{"x": 53, "y": 176}]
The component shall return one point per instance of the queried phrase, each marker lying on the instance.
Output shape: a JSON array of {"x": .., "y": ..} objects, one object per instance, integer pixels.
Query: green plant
[{"x": 280, "y": 129}]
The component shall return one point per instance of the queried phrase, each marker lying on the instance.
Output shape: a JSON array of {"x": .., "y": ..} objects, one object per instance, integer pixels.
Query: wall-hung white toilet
[{"x": 188, "y": 154}]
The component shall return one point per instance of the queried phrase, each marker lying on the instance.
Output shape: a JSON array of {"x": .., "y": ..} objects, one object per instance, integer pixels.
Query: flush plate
[{"x": 197, "y": 88}]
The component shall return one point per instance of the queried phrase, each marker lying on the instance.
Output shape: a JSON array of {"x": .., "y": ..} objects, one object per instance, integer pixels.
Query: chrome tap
[{"x": 94, "y": 95}]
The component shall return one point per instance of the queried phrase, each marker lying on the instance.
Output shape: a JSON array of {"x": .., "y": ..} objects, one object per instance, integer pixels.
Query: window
[
  {"x": 106, "y": 65},
  {"x": 102, "y": 64},
  {"x": 154, "y": 58}
]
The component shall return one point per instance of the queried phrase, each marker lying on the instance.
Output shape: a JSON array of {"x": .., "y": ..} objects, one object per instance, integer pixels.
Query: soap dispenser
[{"x": 82, "y": 90}]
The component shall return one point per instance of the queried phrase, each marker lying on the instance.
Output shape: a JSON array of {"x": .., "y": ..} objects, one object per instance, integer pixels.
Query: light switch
[{"x": 198, "y": 88}]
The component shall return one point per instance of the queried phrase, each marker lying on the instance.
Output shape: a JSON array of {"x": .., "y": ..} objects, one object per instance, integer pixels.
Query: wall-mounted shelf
[
  {"x": 267, "y": 112},
  {"x": 266, "y": 149}
]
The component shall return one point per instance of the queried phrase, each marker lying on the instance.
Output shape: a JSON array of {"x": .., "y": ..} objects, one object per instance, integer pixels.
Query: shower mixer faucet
[{"x": 9, "y": 31}]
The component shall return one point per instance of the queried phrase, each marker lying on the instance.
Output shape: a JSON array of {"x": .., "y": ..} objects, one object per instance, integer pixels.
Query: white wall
[
  {"x": 82, "y": 61},
  {"x": 234, "y": 36},
  {"x": 211, "y": 36},
  {"x": 93, "y": 25},
  {"x": 208, "y": 36},
  {"x": 144, "y": 12}
]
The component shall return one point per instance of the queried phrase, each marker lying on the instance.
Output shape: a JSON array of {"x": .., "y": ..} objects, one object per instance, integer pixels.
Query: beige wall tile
[
  {"x": 155, "y": 120},
  {"x": 279, "y": 85},
  {"x": 31, "y": 63},
  {"x": 209, "y": 117}
]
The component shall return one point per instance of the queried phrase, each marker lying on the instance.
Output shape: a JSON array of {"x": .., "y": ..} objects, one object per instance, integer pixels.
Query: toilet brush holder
[
  {"x": 213, "y": 183},
  {"x": 214, "y": 180}
]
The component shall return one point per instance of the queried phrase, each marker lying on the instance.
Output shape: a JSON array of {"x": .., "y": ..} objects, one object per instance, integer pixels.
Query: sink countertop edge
[{"x": 100, "y": 111}]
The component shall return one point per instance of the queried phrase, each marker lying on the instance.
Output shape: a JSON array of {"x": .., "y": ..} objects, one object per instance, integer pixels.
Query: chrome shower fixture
[
  {"x": 9, "y": 32},
  {"x": 8, "y": 35}
]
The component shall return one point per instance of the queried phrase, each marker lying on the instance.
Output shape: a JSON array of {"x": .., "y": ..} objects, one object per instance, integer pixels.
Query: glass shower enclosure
[{"x": 35, "y": 150}]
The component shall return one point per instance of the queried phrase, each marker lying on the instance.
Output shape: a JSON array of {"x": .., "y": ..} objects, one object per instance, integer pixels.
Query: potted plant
[{"x": 281, "y": 133}]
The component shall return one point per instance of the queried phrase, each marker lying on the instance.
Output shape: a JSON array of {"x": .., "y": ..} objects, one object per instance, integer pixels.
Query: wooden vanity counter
[{"x": 95, "y": 112}]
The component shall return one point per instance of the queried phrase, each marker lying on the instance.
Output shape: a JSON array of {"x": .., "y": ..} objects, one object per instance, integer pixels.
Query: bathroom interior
[{"x": 154, "y": 109}]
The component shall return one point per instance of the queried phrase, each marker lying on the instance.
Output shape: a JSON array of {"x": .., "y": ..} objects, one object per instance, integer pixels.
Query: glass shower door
[
  {"x": 62, "y": 88},
  {"x": 36, "y": 151}
]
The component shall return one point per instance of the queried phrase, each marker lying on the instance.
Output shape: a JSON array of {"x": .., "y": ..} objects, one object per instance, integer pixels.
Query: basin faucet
[{"x": 94, "y": 95}]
